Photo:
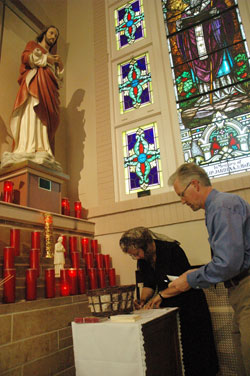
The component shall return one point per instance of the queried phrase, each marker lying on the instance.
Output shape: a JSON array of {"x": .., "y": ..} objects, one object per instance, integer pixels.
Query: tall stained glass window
[
  {"x": 210, "y": 68},
  {"x": 142, "y": 159},
  {"x": 134, "y": 80},
  {"x": 129, "y": 22}
]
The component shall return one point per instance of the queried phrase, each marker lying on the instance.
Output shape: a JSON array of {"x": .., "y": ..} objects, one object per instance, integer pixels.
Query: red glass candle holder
[
  {"x": 9, "y": 286},
  {"x": 78, "y": 209},
  {"x": 89, "y": 260},
  {"x": 65, "y": 206},
  {"x": 101, "y": 276},
  {"x": 15, "y": 240},
  {"x": 75, "y": 258},
  {"x": 31, "y": 281},
  {"x": 8, "y": 257},
  {"x": 64, "y": 284},
  {"x": 106, "y": 259},
  {"x": 73, "y": 243},
  {"x": 35, "y": 260},
  {"x": 72, "y": 279},
  {"x": 81, "y": 281},
  {"x": 94, "y": 246},
  {"x": 8, "y": 191},
  {"x": 92, "y": 274},
  {"x": 85, "y": 245},
  {"x": 50, "y": 284},
  {"x": 36, "y": 239},
  {"x": 112, "y": 277},
  {"x": 99, "y": 260}
]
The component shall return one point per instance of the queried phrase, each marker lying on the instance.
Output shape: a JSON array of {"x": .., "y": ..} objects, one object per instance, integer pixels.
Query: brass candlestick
[{"x": 48, "y": 233}]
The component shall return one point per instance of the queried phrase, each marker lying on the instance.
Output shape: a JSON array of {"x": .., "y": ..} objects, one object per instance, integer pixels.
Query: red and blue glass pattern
[
  {"x": 142, "y": 159},
  {"x": 134, "y": 80},
  {"x": 210, "y": 64},
  {"x": 130, "y": 25}
]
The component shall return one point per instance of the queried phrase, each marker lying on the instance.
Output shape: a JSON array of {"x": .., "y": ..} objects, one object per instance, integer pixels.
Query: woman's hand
[
  {"x": 155, "y": 302},
  {"x": 138, "y": 304}
]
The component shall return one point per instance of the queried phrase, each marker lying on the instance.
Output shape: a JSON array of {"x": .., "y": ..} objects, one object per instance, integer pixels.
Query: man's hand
[
  {"x": 181, "y": 283},
  {"x": 154, "y": 302}
]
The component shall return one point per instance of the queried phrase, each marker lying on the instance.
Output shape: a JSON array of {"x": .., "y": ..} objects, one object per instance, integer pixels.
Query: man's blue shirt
[{"x": 228, "y": 225}]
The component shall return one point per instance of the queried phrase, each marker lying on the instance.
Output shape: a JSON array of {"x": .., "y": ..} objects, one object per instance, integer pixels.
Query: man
[
  {"x": 35, "y": 117},
  {"x": 228, "y": 223}
]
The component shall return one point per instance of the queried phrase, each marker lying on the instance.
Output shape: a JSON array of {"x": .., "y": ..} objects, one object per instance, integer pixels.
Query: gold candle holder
[{"x": 48, "y": 233}]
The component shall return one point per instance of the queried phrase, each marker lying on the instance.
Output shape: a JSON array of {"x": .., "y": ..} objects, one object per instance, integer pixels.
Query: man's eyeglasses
[{"x": 183, "y": 192}]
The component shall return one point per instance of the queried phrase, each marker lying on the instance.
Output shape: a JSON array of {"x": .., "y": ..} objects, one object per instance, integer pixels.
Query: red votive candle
[
  {"x": 89, "y": 259},
  {"x": 35, "y": 260},
  {"x": 94, "y": 246},
  {"x": 106, "y": 259},
  {"x": 64, "y": 284},
  {"x": 75, "y": 258},
  {"x": 101, "y": 278},
  {"x": 81, "y": 281},
  {"x": 72, "y": 278},
  {"x": 15, "y": 240},
  {"x": 8, "y": 191},
  {"x": 92, "y": 274},
  {"x": 99, "y": 260},
  {"x": 112, "y": 278},
  {"x": 8, "y": 257},
  {"x": 9, "y": 287},
  {"x": 35, "y": 240},
  {"x": 65, "y": 206},
  {"x": 72, "y": 243},
  {"x": 78, "y": 209},
  {"x": 85, "y": 245},
  {"x": 50, "y": 285},
  {"x": 31, "y": 279}
]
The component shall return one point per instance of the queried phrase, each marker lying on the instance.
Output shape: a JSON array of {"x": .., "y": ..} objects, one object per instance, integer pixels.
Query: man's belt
[{"x": 236, "y": 280}]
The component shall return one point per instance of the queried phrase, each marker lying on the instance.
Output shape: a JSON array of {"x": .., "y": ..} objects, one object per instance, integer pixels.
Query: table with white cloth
[{"x": 148, "y": 346}]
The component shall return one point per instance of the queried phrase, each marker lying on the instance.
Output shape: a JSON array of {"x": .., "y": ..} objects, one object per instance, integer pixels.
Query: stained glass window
[
  {"x": 210, "y": 68},
  {"x": 134, "y": 80},
  {"x": 129, "y": 22},
  {"x": 142, "y": 159}
]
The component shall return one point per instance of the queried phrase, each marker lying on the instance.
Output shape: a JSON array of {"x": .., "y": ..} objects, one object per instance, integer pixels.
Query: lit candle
[
  {"x": 94, "y": 246},
  {"x": 112, "y": 278},
  {"x": 64, "y": 284},
  {"x": 31, "y": 280},
  {"x": 9, "y": 287},
  {"x": 50, "y": 285},
  {"x": 15, "y": 240},
  {"x": 106, "y": 259},
  {"x": 35, "y": 239},
  {"x": 78, "y": 209},
  {"x": 75, "y": 258},
  {"x": 99, "y": 260},
  {"x": 8, "y": 191},
  {"x": 35, "y": 260},
  {"x": 101, "y": 278},
  {"x": 81, "y": 281},
  {"x": 65, "y": 206},
  {"x": 72, "y": 278},
  {"x": 85, "y": 245},
  {"x": 8, "y": 258},
  {"x": 89, "y": 260},
  {"x": 92, "y": 274},
  {"x": 72, "y": 243}
]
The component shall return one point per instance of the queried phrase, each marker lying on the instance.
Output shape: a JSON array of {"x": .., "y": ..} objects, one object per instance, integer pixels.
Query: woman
[{"x": 158, "y": 257}]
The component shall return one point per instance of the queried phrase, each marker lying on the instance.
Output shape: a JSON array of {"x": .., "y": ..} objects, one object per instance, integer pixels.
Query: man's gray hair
[{"x": 187, "y": 172}]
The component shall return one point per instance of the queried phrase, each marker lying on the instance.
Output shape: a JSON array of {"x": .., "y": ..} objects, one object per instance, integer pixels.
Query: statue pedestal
[{"x": 35, "y": 186}]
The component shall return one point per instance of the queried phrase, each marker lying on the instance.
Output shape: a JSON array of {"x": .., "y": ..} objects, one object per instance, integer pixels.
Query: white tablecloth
[{"x": 112, "y": 348}]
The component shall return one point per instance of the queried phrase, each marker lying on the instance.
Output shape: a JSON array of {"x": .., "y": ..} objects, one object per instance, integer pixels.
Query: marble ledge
[{"x": 23, "y": 216}]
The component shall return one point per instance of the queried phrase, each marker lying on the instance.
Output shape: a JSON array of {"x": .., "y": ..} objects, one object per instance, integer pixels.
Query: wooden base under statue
[{"x": 35, "y": 186}]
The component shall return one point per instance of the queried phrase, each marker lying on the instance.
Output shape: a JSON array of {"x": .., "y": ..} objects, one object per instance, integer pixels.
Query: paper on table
[{"x": 125, "y": 318}]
